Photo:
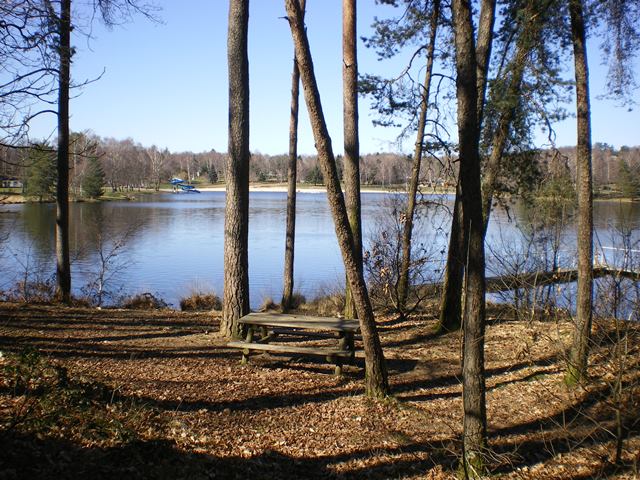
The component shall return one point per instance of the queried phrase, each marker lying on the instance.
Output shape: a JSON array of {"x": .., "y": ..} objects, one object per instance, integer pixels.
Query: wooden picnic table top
[{"x": 304, "y": 322}]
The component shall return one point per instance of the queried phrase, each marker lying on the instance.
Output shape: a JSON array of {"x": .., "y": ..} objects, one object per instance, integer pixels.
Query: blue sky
[{"x": 166, "y": 83}]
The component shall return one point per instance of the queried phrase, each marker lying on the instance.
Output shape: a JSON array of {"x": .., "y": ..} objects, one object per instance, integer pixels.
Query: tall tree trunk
[
  {"x": 376, "y": 382},
  {"x": 287, "y": 293},
  {"x": 451, "y": 306},
  {"x": 483, "y": 54},
  {"x": 63, "y": 265},
  {"x": 405, "y": 263},
  {"x": 473, "y": 381},
  {"x": 578, "y": 360},
  {"x": 236, "y": 222},
  {"x": 351, "y": 172},
  {"x": 451, "y": 303}
]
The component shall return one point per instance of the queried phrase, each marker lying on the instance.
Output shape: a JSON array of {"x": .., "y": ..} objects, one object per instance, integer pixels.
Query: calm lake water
[{"x": 173, "y": 244}]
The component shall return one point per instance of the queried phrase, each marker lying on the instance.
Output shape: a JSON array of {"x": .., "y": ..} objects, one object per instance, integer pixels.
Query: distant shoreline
[
  {"x": 260, "y": 187},
  {"x": 8, "y": 198}
]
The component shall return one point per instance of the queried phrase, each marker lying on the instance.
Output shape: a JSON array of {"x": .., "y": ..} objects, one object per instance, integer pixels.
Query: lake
[{"x": 172, "y": 245}]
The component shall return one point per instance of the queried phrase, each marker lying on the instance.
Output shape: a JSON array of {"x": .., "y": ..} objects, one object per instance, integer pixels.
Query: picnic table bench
[{"x": 263, "y": 328}]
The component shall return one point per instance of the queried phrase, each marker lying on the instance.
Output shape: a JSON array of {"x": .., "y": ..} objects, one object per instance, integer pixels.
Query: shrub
[
  {"x": 328, "y": 305},
  {"x": 198, "y": 302},
  {"x": 32, "y": 291},
  {"x": 144, "y": 301},
  {"x": 297, "y": 300},
  {"x": 382, "y": 258},
  {"x": 269, "y": 305}
]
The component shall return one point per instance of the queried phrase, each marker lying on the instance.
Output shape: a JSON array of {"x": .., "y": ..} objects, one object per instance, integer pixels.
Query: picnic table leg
[
  {"x": 350, "y": 344},
  {"x": 345, "y": 342},
  {"x": 245, "y": 352},
  {"x": 337, "y": 360}
]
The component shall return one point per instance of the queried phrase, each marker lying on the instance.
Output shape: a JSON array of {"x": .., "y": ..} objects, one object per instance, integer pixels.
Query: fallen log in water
[{"x": 505, "y": 283}]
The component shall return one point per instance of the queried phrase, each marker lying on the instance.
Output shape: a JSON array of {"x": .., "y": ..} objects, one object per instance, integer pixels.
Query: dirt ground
[{"x": 157, "y": 395}]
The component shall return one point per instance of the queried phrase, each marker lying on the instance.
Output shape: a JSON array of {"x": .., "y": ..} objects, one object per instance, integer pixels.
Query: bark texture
[
  {"x": 578, "y": 360},
  {"x": 405, "y": 262},
  {"x": 351, "y": 174},
  {"x": 376, "y": 382},
  {"x": 236, "y": 224},
  {"x": 63, "y": 265},
  {"x": 473, "y": 383},
  {"x": 292, "y": 173}
]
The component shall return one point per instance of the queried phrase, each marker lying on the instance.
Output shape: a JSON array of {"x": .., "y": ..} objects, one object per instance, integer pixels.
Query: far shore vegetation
[{"x": 119, "y": 170}]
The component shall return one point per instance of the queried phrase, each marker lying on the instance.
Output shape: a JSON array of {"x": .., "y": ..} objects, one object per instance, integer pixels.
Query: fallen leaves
[{"x": 192, "y": 411}]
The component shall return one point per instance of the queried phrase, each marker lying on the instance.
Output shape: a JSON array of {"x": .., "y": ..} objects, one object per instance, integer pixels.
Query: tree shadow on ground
[
  {"x": 430, "y": 378},
  {"x": 579, "y": 425},
  {"x": 417, "y": 339},
  {"x": 56, "y": 348},
  {"x": 40, "y": 317},
  {"x": 25, "y": 456}
]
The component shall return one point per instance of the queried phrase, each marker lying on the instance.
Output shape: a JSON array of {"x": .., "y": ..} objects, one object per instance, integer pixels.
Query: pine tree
[
  {"x": 93, "y": 181},
  {"x": 627, "y": 182},
  {"x": 41, "y": 176},
  {"x": 314, "y": 176}
]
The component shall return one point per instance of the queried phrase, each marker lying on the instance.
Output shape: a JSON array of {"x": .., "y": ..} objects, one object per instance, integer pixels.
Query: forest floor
[{"x": 88, "y": 393}]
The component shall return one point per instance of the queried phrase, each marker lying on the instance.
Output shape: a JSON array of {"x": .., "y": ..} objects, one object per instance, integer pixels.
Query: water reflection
[{"x": 176, "y": 241}]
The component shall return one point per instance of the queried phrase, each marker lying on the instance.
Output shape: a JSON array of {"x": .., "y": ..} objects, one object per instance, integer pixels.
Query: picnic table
[{"x": 263, "y": 328}]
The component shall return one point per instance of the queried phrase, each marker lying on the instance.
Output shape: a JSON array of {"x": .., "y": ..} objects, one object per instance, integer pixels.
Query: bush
[
  {"x": 198, "y": 302},
  {"x": 269, "y": 305},
  {"x": 382, "y": 257},
  {"x": 144, "y": 301},
  {"x": 32, "y": 291},
  {"x": 328, "y": 305},
  {"x": 297, "y": 300}
]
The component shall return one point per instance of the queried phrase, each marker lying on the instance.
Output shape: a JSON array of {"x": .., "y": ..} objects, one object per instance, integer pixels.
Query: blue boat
[{"x": 188, "y": 188}]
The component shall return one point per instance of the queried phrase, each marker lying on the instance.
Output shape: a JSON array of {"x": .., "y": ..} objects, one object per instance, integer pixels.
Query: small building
[{"x": 10, "y": 182}]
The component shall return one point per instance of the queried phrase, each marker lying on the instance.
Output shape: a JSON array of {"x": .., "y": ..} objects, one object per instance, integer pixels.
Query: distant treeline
[{"x": 127, "y": 165}]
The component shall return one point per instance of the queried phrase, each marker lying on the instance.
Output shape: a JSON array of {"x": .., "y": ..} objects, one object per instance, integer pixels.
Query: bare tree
[
  {"x": 157, "y": 160},
  {"x": 292, "y": 170},
  {"x": 236, "y": 228},
  {"x": 51, "y": 25},
  {"x": 376, "y": 381},
  {"x": 28, "y": 69}
]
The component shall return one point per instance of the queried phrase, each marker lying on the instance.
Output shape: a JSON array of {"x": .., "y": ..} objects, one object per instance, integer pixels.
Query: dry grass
[
  {"x": 327, "y": 305},
  {"x": 144, "y": 301},
  {"x": 200, "y": 302}
]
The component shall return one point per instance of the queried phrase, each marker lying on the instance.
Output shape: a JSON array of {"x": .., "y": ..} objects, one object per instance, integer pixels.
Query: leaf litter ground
[{"x": 157, "y": 395}]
